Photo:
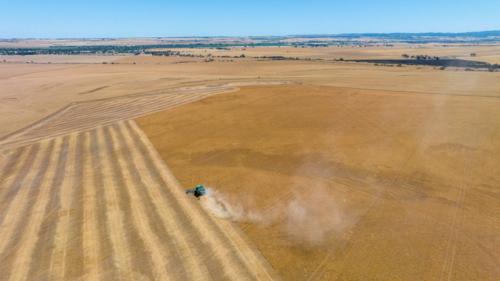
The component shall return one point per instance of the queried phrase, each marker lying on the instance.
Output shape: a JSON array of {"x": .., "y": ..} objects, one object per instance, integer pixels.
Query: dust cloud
[{"x": 305, "y": 218}]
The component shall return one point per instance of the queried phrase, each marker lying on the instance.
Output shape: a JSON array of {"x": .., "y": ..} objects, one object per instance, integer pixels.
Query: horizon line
[{"x": 240, "y": 36}]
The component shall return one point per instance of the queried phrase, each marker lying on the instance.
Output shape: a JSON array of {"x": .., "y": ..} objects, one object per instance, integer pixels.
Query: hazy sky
[{"x": 152, "y": 18}]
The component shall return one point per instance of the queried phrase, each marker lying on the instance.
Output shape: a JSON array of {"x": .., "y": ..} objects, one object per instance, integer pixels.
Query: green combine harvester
[{"x": 198, "y": 191}]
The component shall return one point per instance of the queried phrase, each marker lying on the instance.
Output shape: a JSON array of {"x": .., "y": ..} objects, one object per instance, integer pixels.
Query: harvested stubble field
[
  {"x": 336, "y": 183},
  {"x": 85, "y": 196},
  {"x": 362, "y": 172}
]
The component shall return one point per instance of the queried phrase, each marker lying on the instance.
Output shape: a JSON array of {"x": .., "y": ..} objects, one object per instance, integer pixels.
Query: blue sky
[{"x": 152, "y": 18}]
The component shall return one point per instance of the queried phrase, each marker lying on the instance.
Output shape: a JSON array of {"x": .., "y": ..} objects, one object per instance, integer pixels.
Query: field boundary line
[
  {"x": 39, "y": 122},
  {"x": 225, "y": 88},
  {"x": 396, "y": 91}
]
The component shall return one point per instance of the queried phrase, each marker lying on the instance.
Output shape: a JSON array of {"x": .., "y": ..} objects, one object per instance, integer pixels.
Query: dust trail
[
  {"x": 307, "y": 218},
  {"x": 210, "y": 203}
]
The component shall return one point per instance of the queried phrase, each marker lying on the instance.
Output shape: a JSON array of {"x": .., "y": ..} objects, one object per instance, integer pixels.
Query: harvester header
[{"x": 198, "y": 191}]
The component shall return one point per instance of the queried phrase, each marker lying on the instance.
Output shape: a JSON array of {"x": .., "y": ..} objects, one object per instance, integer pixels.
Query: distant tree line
[
  {"x": 71, "y": 50},
  {"x": 170, "y": 53},
  {"x": 278, "y": 58},
  {"x": 420, "y": 57}
]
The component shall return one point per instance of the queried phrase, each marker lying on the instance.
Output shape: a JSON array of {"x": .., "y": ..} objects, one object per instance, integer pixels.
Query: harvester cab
[{"x": 198, "y": 191}]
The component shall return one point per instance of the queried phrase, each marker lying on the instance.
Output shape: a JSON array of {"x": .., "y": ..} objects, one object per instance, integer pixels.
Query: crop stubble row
[
  {"x": 101, "y": 204},
  {"x": 97, "y": 202}
]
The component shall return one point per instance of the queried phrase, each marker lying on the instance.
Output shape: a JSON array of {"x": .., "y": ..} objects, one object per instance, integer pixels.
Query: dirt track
[
  {"x": 340, "y": 183},
  {"x": 96, "y": 202}
]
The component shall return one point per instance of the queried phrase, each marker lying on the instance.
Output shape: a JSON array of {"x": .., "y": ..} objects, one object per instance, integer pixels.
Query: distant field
[
  {"x": 62, "y": 58},
  {"x": 145, "y": 59},
  {"x": 44, "y": 43},
  {"x": 483, "y": 53},
  {"x": 29, "y": 92},
  {"x": 348, "y": 51}
]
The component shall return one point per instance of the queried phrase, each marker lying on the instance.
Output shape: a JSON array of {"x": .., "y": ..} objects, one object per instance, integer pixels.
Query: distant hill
[
  {"x": 438, "y": 34},
  {"x": 476, "y": 34}
]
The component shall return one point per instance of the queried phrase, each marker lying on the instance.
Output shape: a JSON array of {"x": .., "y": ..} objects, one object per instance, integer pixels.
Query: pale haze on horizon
[{"x": 152, "y": 18}]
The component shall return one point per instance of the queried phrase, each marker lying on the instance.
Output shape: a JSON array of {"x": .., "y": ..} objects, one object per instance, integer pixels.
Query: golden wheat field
[
  {"x": 316, "y": 170},
  {"x": 339, "y": 183}
]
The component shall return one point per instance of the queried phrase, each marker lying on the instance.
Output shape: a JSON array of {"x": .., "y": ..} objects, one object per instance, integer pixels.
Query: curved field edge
[{"x": 78, "y": 116}]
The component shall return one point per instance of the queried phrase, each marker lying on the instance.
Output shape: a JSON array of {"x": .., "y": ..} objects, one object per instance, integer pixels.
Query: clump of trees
[
  {"x": 426, "y": 57},
  {"x": 169, "y": 53},
  {"x": 472, "y": 54},
  {"x": 278, "y": 58},
  {"x": 471, "y": 64}
]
